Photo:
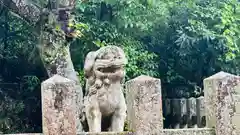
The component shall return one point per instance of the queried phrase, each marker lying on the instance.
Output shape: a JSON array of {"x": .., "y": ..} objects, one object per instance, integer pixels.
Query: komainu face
[{"x": 104, "y": 71}]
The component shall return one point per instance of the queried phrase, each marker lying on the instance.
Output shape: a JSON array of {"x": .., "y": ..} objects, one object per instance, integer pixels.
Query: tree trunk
[
  {"x": 56, "y": 57},
  {"x": 53, "y": 46}
]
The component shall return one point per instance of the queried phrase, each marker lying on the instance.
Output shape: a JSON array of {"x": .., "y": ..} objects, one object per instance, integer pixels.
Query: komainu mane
[{"x": 104, "y": 71}]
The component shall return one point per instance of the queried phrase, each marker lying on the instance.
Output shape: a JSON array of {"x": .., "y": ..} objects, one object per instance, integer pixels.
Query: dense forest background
[{"x": 179, "y": 41}]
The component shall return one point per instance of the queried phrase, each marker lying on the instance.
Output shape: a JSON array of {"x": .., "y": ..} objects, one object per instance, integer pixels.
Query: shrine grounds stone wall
[
  {"x": 203, "y": 131},
  {"x": 144, "y": 103},
  {"x": 222, "y": 92}
]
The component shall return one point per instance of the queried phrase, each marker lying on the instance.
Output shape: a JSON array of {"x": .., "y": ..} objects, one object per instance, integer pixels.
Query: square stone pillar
[
  {"x": 222, "y": 106},
  {"x": 144, "y": 105},
  {"x": 58, "y": 106}
]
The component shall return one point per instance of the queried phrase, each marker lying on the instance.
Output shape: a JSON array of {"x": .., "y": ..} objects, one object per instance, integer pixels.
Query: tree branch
[
  {"x": 31, "y": 12},
  {"x": 26, "y": 10}
]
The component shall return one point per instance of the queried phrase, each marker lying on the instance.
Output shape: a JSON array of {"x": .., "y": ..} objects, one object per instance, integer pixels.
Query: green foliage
[
  {"x": 140, "y": 61},
  {"x": 140, "y": 15},
  {"x": 182, "y": 41},
  {"x": 20, "y": 105},
  {"x": 102, "y": 33},
  {"x": 20, "y": 71}
]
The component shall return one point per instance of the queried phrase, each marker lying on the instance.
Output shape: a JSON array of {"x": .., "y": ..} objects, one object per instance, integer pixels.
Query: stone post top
[
  {"x": 221, "y": 75},
  {"x": 143, "y": 78},
  {"x": 57, "y": 79}
]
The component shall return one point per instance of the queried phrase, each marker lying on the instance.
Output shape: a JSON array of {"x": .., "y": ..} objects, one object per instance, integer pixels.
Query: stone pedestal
[
  {"x": 222, "y": 106},
  {"x": 179, "y": 111},
  {"x": 167, "y": 113},
  {"x": 58, "y": 106},
  {"x": 201, "y": 118},
  {"x": 144, "y": 105},
  {"x": 192, "y": 112}
]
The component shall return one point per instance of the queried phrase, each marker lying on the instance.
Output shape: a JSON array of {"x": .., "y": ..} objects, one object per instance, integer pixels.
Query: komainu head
[{"x": 105, "y": 65}]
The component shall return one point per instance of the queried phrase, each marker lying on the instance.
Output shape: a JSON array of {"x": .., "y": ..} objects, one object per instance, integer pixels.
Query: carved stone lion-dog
[{"x": 104, "y": 72}]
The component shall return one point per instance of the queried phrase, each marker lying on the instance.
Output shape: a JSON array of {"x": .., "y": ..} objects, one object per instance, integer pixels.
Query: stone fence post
[
  {"x": 144, "y": 105},
  {"x": 221, "y": 93},
  {"x": 58, "y": 106}
]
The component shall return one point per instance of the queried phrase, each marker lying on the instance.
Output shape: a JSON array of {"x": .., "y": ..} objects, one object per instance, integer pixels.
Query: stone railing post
[
  {"x": 221, "y": 92},
  {"x": 144, "y": 105},
  {"x": 58, "y": 106}
]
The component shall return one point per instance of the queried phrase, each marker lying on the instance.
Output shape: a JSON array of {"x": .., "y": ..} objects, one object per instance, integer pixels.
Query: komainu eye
[{"x": 100, "y": 69}]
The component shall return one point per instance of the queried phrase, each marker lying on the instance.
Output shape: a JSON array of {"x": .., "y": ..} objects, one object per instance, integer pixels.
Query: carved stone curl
[{"x": 104, "y": 72}]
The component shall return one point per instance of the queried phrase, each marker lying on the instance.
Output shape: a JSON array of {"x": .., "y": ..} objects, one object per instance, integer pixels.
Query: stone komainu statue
[{"x": 104, "y": 71}]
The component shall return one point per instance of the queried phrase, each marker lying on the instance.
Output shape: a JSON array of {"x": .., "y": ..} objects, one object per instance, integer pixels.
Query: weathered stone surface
[
  {"x": 201, "y": 131},
  {"x": 104, "y": 71},
  {"x": 179, "y": 112},
  {"x": 221, "y": 90},
  {"x": 167, "y": 113},
  {"x": 179, "y": 107},
  {"x": 107, "y": 133},
  {"x": 84, "y": 133},
  {"x": 167, "y": 107},
  {"x": 144, "y": 105},
  {"x": 183, "y": 121},
  {"x": 26, "y": 134},
  {"x": 58, "y": 106},
  {"x": 201, "y": 118},
  {"x": 192, "y": 112}
]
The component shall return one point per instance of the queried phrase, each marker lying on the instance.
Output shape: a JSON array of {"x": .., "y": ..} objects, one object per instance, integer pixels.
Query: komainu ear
[{"x": 89, "y": 62}]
